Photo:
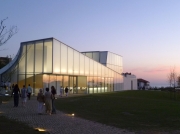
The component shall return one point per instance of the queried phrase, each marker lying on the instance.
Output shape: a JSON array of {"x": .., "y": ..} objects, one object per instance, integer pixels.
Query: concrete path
[{"x": 59, "y": 123}]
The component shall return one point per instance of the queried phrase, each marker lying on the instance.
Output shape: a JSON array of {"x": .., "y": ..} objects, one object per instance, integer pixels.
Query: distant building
[
  {"x": 130, "y": 81},
  {"x": 143, "y": 84},
  {"x": 4, "y": 61}
]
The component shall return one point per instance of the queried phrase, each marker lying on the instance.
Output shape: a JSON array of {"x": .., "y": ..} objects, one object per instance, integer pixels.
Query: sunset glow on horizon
[{"x": 144, "y": 32}]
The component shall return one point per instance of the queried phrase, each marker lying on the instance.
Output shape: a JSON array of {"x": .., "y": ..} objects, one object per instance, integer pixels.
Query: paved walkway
[{"x": 59, "y": 123}]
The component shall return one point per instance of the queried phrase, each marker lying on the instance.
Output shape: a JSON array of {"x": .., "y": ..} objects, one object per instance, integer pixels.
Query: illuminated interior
[{"x": 49, "y": 62}]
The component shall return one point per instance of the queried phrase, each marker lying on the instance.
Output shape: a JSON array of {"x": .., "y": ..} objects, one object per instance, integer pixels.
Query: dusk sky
[{"x": 145, "y": 32}]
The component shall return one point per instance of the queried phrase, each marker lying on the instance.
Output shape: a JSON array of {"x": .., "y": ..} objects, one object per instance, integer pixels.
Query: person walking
[
  {"x": 16, "y": 93},
  {"x": 48, "y": 101},
  {"x": 66, "y": 91},
  {"x": 53, "y": 93},
  {"x": 24, "y": 95},
  {"x": 41, "y": 100},
  {"x": 29, "y": 91},
  {"x": 61, "y": 91}
]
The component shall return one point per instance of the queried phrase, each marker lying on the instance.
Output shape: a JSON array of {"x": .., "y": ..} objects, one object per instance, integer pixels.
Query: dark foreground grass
[
  {"x": 133, "y": 110},
  {"x": 10, "y": 126}
]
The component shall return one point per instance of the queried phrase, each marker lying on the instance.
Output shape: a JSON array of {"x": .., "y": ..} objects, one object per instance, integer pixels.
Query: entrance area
[
  {"x": 73, "y": 84},
  {"x": 76, "y": 84}
]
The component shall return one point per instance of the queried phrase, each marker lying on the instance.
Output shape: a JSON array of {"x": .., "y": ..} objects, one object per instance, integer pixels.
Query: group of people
[
  {"x": 23, "y": 93},
  {"x": 48, "y": 98}
]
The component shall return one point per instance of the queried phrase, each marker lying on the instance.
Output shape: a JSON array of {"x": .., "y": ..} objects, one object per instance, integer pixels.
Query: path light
[
  {"x": 40, "y": 129},
  {"x": 72, "y": 114}
]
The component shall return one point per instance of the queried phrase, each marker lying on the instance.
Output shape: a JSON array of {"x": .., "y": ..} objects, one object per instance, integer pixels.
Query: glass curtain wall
[{"x": 48, "y": 62}]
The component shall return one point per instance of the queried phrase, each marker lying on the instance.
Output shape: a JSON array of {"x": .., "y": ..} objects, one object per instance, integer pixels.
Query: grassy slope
[{"x": 133, "y": 110}]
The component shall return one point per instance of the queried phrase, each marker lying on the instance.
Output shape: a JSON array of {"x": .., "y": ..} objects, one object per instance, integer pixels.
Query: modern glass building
[{"x": 49, "y": 62}]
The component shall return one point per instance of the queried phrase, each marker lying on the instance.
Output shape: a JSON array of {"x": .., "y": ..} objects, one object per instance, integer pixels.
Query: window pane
[
  {"x": 81, "y": 64},
  {"x": 38, "y": 83},
  {"x": 38, "y": 57},
  {"x": 76, "y": 62},
  {"x": 63, "y": 59},
  {"x": 30, "y": 58},
  {"x": 52, "y": 81},
  {"x": 70, "y": 60},
  {"x": 89, "y": 55},
  {"x": 99, "y": 69},
  {"x": 103, "y": 57},
  {"x": 96, "y": 56},
  {"x": 91, "y": 68},
  {"x": 95, "y": 84},
  {"x": 103, "y": 69},
  {"x": 90, "y": 85},
  {"x": 56, "y": 56},
  {"x": 59, "y": 84},
  {"x": 82, "y": 87},
  {"x": 65, "y": 81},
  {"x": 22, "y": 60},
  {"x": 30, "y": 80},
  {"x": 86, "y": 60},
  {"x": 45, "y": 81},
  {"x": 48, "y": 56},
  {"x": 95, "y": 68},
  {"x": 21, "y": 81}
]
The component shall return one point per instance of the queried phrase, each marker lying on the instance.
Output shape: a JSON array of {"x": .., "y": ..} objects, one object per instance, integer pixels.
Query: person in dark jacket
[
  {"x": 53, "y": 93},
  {"x": 66, "y": 91},
  {"x": 16, "y": 93}
]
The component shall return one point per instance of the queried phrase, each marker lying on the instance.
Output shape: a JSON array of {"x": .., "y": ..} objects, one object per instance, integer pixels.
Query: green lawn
[{"x": 132, "y": 110}]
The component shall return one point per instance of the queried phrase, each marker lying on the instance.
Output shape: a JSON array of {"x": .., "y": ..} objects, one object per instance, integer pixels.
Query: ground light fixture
[
  {"x": 71, "y": 115},
  {"x": 4, "y": 102},
  {"x": 40, "y": 129}
]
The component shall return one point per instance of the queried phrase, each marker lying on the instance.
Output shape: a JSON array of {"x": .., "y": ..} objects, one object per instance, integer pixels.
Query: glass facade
[
  {"x": 110, "y": 60},
  {"x": 49, "y": 62}
]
